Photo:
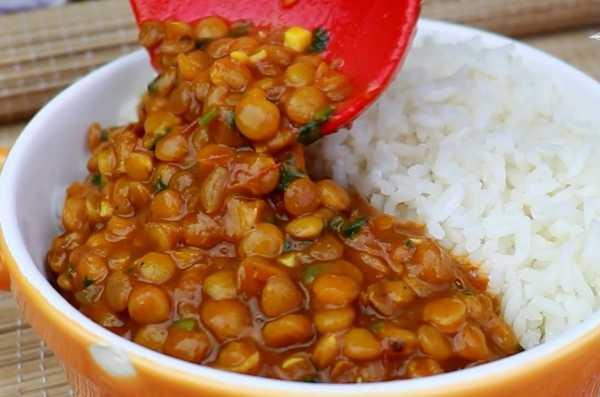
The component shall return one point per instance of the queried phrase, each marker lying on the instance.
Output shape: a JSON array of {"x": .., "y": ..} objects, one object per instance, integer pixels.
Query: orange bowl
[{"x": 51, "y": 153}]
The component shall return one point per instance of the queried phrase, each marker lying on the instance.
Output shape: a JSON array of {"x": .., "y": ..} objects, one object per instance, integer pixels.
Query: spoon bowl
[{"x": 370, "y": 37}]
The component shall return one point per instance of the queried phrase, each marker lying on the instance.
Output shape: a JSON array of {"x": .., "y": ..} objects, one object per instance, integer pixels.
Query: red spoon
[{"x": 371, "y": 37}]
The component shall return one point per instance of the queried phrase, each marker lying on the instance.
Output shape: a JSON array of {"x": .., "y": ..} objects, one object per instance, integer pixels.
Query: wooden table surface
[{"x": 42, "y": 52}]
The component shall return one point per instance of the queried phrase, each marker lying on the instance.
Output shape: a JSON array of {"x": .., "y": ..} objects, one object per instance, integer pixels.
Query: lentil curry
[{"x": 199, "y": 234}]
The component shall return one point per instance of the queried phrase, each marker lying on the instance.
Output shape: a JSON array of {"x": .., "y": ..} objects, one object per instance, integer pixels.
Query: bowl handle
[
  {"x": 4, "y": 274},
  {"x": 3, "y": 154},
  {"x": 4, "y": 277}
]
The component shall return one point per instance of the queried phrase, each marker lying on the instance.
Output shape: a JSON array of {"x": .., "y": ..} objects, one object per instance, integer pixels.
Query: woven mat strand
[
  {"x": 42, "y": 52},
  {"x": 27, "y": 367}
]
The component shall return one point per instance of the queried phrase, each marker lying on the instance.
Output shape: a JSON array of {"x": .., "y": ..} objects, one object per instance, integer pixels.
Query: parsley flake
[
  {"x": 97, "y": 180},
  {"x": 159, "y": 186},
  {"x": 311, "y": 131},
  {"x": 153, "y": 86},
  {"x": 320, "y": 40},
  {"x": 310, "y": 273},
  {"x": 87, "y": 282},
  {"x": 347, "y": 228},
  {"x": 208, "y": 116},
  {"x": 289, "y": 173},
  {"x": 186, "y": 324},
  {"x": 350, "y": 230}
]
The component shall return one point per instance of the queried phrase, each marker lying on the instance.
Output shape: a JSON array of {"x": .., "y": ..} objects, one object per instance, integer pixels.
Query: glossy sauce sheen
[{"x": 199, "y": 234}]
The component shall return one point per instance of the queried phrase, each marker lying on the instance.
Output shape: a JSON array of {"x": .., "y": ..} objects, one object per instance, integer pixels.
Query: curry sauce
[{"x": 199, "y": 233}]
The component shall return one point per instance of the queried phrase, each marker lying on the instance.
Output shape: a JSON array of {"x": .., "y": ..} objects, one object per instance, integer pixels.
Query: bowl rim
[{"x": 503, "y": 368}]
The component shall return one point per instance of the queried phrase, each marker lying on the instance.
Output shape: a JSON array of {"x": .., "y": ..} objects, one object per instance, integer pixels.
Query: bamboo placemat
[
  {"x": 27, "y": 367},
  {"x": 42, "y": 52}
]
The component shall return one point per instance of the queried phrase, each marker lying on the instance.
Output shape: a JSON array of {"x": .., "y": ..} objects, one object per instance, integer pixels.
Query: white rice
[{"x": 499, "y": 164}]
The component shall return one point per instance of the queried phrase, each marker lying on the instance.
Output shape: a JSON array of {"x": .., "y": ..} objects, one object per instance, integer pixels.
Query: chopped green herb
[
  {"x": 324, "y": 114},
  {"x": 287, "y": 246},
  {"x": 159, "y": 185},
  {"x": 229, "y": 118},
  {"x": 186, "y": 324},
  {"x": 350, "y": 230},
  {"x": 310, "y": 273},
  {"x": 153, "y": 86},
  {"x": 311, "y": 131},
  {"x": 289, "y": 173},
  {"x": 320, "y": 40},
  {"x": 208, "y": 116},
  {"x": 104, "y": 134},
  {"x": 97, "y": 180},
  {"x": 240, "y": 28},
  {"x": 336, "y": 224},
  {"x": 87, "y": 282},
  {"x": 159, "y": 133},
  {"x": 377, "y": 327},
  {"x": 409, "y": 243},
  {"x": 347, "y": 228}
]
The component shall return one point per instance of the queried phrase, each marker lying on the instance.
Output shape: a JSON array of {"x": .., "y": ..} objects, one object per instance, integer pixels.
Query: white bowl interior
[{"x": 51, "y": 154}]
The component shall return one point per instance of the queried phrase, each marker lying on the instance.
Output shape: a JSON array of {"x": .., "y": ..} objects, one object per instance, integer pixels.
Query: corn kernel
[
  {"x": 326, "y": 350},
  {"x": 106, "y": 209},
  {"x": 297, "y": 38},
  {"x": 324, "y": 213},
  {"x": 65, "y": 282},
  {"x": 306, "y": 227},
  {"x": 289, "y": 259},
  {"x": 187, "y": 68},
  {"x": 259, "y": 56},
  {"x": 247, "y": 364},
  {"x": 239, "y": 56},
  {"x": 293, "y": 361},
  {"x": 107, "y": 161}
]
